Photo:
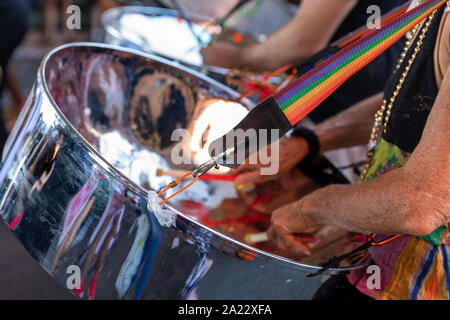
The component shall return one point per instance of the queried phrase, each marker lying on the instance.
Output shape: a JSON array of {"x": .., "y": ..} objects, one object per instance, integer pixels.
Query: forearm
[
  {"x": 306, "y": 34},
  {"x": 383, "y": 205},
  {"x": 351, "y": 127},
  {"x": 278, "y": 50}
]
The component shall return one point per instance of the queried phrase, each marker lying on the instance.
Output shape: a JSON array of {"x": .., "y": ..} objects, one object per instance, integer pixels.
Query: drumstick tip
[{"x": 255, "y": 238}]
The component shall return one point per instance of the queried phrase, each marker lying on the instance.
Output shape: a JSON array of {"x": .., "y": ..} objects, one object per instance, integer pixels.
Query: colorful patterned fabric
[
  {"x": 411, "y": 267},
  {"x": 387, "y": 157}
]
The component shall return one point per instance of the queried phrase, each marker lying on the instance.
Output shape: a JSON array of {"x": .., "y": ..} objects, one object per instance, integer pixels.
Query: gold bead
[{"x": 379, "y": 123}]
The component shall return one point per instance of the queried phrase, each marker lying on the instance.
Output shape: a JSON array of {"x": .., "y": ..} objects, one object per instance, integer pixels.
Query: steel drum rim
[{"x": 137, "y": 189}]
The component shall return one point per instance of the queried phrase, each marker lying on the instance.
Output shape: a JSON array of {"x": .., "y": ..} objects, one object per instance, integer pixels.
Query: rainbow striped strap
[
  {"x": 303, "y": 95},
  {"x": 341, "y": 43},
  {"x": 362, "y": 31}
]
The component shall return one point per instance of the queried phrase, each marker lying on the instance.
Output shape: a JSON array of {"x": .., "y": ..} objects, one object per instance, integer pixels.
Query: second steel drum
[{"x": 178, "y": 37}]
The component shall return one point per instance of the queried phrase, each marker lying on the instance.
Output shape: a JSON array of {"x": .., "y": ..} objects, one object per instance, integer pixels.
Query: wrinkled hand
[
  {"x": 289, "y": 225},
  {"x": 291, "y": 151},
  {"x": 222, "y": 54}
]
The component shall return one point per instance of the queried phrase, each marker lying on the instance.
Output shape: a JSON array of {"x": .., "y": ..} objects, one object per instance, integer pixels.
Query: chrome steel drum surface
[
  {"x": 79, "y": 162},
  {"x": 158, "y": 31},
  {"x": 164, "y": 33}
]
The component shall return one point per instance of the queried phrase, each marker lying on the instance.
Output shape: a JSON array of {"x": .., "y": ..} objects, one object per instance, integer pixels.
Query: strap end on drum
[
  {"x": 210, "y": 164},
  {"x": 263, "y": 125}
]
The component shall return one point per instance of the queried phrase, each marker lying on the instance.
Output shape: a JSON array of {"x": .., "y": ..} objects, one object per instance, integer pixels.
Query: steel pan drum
[
  {"x": 159, "y": 31},
  {"x": 164, "y": 33},
  {"x": 77, "y": 169}
]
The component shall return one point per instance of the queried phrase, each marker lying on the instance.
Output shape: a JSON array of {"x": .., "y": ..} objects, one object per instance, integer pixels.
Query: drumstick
[
  {"x": 172, "y": 173},
  {"x": 205, "y": 177},
  {"x": 255, "y": 238}
]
